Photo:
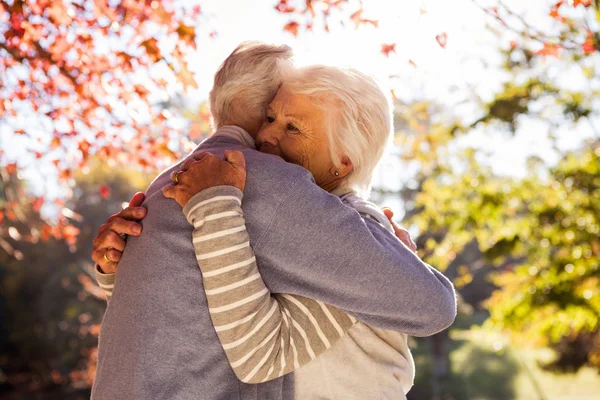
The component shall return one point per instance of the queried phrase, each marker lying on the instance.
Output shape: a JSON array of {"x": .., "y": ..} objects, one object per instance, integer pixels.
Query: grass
[{"x": 484, "y": 367}]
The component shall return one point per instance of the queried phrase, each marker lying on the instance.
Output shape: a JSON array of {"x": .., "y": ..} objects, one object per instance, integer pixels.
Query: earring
[{"x": 336, "y": 173}]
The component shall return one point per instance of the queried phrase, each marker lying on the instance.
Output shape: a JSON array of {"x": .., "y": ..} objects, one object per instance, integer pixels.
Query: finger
[
  {"x": 133, "y": 213},
  {"x": 108, "y": 267},
  {"x": 176, "y": 176},
  {"x": 114, "y": 255},
  {"x": 137, "y": 199},
  {"x": 388, "y": 213},
  {"x": 236, "y": 158},
  {"x": 111, "y": 240},
  {"x": 190, "y": 160},
  {"x": 121, "y": 225},
  {"x": 169, "y": 191},
  {"x": 404, "y": 236}
]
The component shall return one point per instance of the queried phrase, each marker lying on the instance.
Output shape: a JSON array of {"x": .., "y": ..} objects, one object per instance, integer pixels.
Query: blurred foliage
[
  {"x": 49, "y": 302},
  {"x": 527, "y": 249}
]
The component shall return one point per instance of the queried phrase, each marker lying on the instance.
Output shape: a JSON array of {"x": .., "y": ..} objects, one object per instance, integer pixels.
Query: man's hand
[
  {"x": 205, "y": 170},
  {"x": 401, "y": 233},
  {"x": 110, "y": 243}
]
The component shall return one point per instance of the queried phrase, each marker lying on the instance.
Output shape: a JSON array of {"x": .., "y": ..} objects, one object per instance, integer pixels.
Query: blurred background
[{"x": 495, "y": 167}]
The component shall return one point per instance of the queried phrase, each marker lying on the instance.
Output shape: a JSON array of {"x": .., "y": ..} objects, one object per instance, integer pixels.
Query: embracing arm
[
  {"x": 319, "y": 248},
  {"x": 110, "y": 242},
  {"x": 264, "y": 335}
]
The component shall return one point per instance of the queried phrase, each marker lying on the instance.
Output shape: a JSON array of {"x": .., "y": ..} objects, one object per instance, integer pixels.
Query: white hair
[
  {"x": 246, "y": 82},
  {"x": 359, "y": 117}
]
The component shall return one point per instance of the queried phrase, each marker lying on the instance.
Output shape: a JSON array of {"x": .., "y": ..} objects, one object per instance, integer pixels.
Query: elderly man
[{"x": 157, "y": 339}]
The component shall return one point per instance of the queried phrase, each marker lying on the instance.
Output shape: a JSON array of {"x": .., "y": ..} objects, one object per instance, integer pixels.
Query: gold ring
[
  {"x": 176, "y": 176},
  {"x": 108, "y": 260}
]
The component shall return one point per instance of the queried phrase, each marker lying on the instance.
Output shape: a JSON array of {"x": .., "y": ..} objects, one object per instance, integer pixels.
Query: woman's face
[{"x": 295, "y": 130}]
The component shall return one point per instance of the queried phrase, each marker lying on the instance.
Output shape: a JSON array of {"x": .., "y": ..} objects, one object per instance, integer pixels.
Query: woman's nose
[{"x": 267, "y": 136}]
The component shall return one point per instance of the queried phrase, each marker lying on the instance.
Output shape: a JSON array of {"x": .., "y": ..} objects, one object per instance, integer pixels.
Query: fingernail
[{"x": 137, "y": 229}]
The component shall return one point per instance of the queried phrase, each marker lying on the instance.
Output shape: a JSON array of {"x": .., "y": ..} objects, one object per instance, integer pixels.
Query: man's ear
[{"x": 346, "y": 167}]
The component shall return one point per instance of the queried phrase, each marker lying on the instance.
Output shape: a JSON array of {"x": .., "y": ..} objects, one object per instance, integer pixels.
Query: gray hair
[
  {"x": 359, "y": 117},
  {"x": 249, "y": 79}
]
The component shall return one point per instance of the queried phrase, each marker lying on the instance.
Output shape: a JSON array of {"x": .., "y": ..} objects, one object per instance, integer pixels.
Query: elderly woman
[{"x": 335, "y": 123}]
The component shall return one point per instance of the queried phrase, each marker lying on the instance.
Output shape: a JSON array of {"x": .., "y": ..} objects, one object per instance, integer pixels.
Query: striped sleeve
[
  {"x": 105, "y": 281},
  {"x": 264, "y": 335}
]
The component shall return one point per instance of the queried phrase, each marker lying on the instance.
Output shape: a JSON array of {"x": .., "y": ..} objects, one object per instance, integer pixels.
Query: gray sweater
[{"x": 157, "y": 340}]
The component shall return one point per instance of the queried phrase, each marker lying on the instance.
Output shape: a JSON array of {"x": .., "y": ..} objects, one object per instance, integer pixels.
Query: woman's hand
[
  {"x": 110, "y": 243},
  {"x": 401, "y": 233},
  {"x": 205, "y": 170}
]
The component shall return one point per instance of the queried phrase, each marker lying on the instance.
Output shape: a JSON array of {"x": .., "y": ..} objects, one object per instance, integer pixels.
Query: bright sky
[
  {"x": 444, "y": 75},
  {"x": 470, "y": 59}
]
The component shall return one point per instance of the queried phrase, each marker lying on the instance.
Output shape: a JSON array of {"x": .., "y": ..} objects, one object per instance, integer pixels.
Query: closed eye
[{"x": 292, "y": 128}]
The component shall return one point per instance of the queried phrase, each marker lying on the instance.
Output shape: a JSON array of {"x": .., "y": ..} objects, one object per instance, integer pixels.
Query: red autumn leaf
[
  {"x": 549, "y": 49},
  {"x": 585, "y": 3},
  {"x": 186, "y": 77},
  {"x": 555, "y": 14},
  {"x": 70, "y": 234},
  {"x": 589, "y": 46},
  {"x": 11, "y": 168},
  {"x": 151, "y": 46},
  {"x": 65, "y": 174},
  {"x": 386, "y": 49},
  {"x": 58, "y": 12},
  {"x": 84, "y": 147},
  {"x": 55, "y": 143},
  {"x": 187, "y": 34},
  {"x": 104, "y": 191},
  {"x": 37, "y": 204},
  {"x": 356, "y": 17},
  {"x": 292, "y": 27},
  {"x": 442, "y": 39},
  {"x": 285, "y": 8}
]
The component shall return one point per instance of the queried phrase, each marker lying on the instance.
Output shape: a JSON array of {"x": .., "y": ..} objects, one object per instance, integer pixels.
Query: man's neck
[{"x": 237, "y": 133}]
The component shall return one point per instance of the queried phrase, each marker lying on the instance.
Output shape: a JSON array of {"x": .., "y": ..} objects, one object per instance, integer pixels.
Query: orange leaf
[
  {"x": 292, "y": 27},
  {"x": 37, "y": 204},
  {"x": 151, "y": 46},
  {"x": 84, "y": 147},
  {"x": 70, "y": 234},
  {"x": 20, "y": 132},
  {"x": 187, "y": 34},
  {"x": 442, "y": 39},
  {"x": 386, "y": 49},
  {"x": 283, "y": 7},
  {"x": 186, "y": 77},
  {"x": 589, "y": 46},
  {"x": 549, "y": 49},
  {"x": 411, "y": 62},
  {"x": 11, "y": 168},
  {"x": 55, "y": 143}
]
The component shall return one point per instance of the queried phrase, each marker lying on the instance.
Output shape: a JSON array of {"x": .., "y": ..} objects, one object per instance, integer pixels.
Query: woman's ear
[{"x": 344, "y": 169}]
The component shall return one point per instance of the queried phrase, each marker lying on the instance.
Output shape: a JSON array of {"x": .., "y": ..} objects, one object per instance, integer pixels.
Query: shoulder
[
  {"x": 273, "y": 168},
  {"x": 367, "y": 210}
]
